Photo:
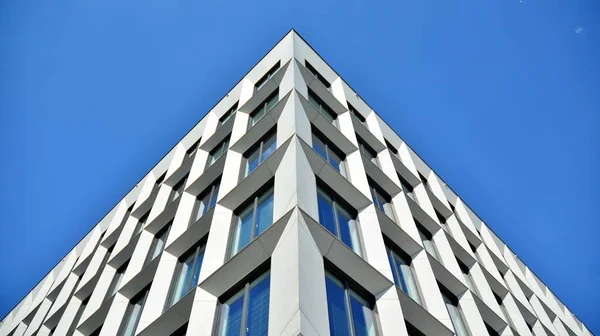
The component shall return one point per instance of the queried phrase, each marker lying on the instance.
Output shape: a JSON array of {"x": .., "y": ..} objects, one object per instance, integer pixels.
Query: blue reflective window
[
  {"x": 252, "y": 221},
  {"x": 205, "y": 202},
  {"x": 187, "y": 274},
  {"x": 328, "y": 152},
  {"x": 349, "y": 314},
  {"x": 338, "y": 220},
  {"x": 247, "y": 312},
  {"x": 264, "y": 108},
  {"x": 403, "y": 274},
  {"x": 217, "y": 152},
  {"x": 262, "y": 151}
]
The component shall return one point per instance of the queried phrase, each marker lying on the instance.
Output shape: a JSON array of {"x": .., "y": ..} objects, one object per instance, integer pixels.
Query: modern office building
[{"x": 291, "y": 208}]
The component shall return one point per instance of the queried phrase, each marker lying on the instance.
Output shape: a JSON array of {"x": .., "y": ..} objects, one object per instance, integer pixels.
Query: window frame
[
  {"x": 212, "y": 191},
  {"x": 354, "y": 112},
  {"x": 259, "y": 147},
  {"x": 191, "y": 151},
  {"x": 393, "y": 250},
  {"x": 143, "y": 296},
  {"x": 450, "y": 299},
  {"x": 350, "y": 286},
  {"x": 116, "y": 280},
  {"x": 179, "y": 187},
  {"x": 268, "y": 188},
  {"x": 425, "y": 235},
  {"x": 313, "y": 71},
  {"x": 322, "y": 107},
  {"x": 243, "y": 286},
  {"x": 263, "y": 107},
  {"x": 161, "y": 234},
  {"x": 222, "y": 146},
  {"x": 377, "y": 190},
  {"x": 407, "y": 188},
  {"x": 227, "y": 115},
  {"x": 367, "y": 151},
  {"x": 267, "y": 76},
  {"x": 338, "y": 201},
  {"x": 330, "y": 149},
  {"x": 141, "y": 223},
  {"x": 196, "y": 250}
]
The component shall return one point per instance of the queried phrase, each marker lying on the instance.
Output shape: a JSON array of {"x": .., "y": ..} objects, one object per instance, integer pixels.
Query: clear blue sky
[{"x": 501, "y": 98}]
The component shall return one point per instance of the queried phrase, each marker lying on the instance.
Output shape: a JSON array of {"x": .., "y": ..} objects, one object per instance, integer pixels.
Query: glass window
[
  {"x": 116, "y": 281},
  {"x": 329, "y": 152},
  {"x": 338, "y": 220},
  {"x": 317, "y": 75},
  {"x": 427, "y": 240},
  {"x": 260, "y": 152},
  {"x": 504, "y": 311},
  {"x": 455, "y": 313},
  {"x": 126, "y": 217},
  {"x": 141, "y": 223},
  {"x": 321, "y": 107},
  {"x": 159, "y": 182},
  {"x": 349, "y": 313},
  {"x": 264, "y": 108},
  {"x": 423, "y": 179},
  {"x": 191, "y": 151},
  {"x": 264, "y": 79},
  {"x": 217, "y": 152},
  {"x": 403, "y": 273},
  {"x": 186, "y": 274},
  {"x": 227, "y": 115},
  {"x": 133, "y": 314},
  {"x": 392, "y": 149},
  {"x": 442, "y": 221},
  {"x": 407, "y": 188},
  {"x": 252, "y": 221},
  {"x": 204, "y": 202},
  {"x": 467, "y": 276},
  {"x": 247, "y": 312},
  {"x": 382, "y": 200},
  {"x": 158, "y": 243},
  {"x": 367, "y": 151},
  {"x": 177, "y": 189}
]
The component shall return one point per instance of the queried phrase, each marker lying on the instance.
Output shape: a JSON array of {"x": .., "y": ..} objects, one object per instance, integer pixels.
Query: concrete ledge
[
  {"x": 172, "y": 318},
  {"x": 265, "y": 91},
  {"x": 443, "y": 276},
  {"x": 379, "y": 177},
  {"x": 420, "y": 318},
  {"x": 395, "y": 233},
  {"x": 192, "y": 235},
  {"x": 403, "y": 171},
  {"x": 141, "y": 279},
  {"x": 364, "y": 133},
  {"x": 164, "y": 217},
  {"x": 208, "y": 176}
]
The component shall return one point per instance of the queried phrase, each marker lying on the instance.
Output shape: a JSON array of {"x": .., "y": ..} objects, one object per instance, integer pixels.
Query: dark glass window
[
  {"x": 407, "y": 188},
  {"x": 116, "y": 281},
  {"x": 382, "y": 200},
  {"x": 349, "y": 313},
  {"x": 177, "y": 189},
  {"x": 423, "y": 179},
  {"x": 403, "y": 273},
  {"x": 227, "y": 115},
  {"x": 427, "y": 240},
  {"x": 158, "y": 243},
  {"x": 133, "y": 314},
  {"x": 253, "y": 220},
  {"x": 187, "y": 273},
  {"x": 205, "y": 201},
  {"x": 466, "y": 275},
  {"x": 317, "y": 75},
  {"x": 391, "y": 147},
  {"x": 247, "y": 311},
  {"x": 217, "y": 152},
  {"x": 337, "y": 219},
  {"x": 367, "y": 151},
  {"x": 141, "y": 223},
  {"x": 191, "y": 151},
  {"x": 159, "y": 181},
  {"x": 260, "y": 152},
  {"x": 264, "y": 79},
  {"x": 321, "y": 107},
  {"x": 329, "y": 152},
  {"x": 454, "y": 311},
  {"x": 264, "y": 108}
]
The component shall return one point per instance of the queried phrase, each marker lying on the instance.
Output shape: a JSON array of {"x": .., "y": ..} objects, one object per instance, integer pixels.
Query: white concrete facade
[{"x": 498, "y": 295}]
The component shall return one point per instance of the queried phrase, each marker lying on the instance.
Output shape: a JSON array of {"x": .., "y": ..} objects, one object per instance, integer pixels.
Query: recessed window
[
  {"x": 442, "y": 221},
  {"x": 391, "y": 147},
  {"x": 329, "y": 152},
  {"x": 191, "y": 151},
  {"x": 227, "y": 115},
  {"x": 133, "y": 314},
  {"x": 116, "y": 281},
  {"x": 217, "y": 152},
  {"x": 247, "y": 311},
  {"x": 423, "y": 179},
  {"x": 338, "y": 219},
  {"x": 402, "y": 270},
  {"x": 503, "y": 308},
  {"x": 177, "y": 189},
  {"x": 407, "y": 188},
  {"x": 159, "y": 181},
  {"x": 126, "y": 216},
  {"x": 253, "y": 220},
  {"x": 260, "y": 152},
  {"x": 367, "y": 150},
  {"x": 158, "y": 243},
  {"x": 382, "y": 200},
  {"x": 187, "y": 273},
  {"x": 454, "y": 311},
  {"x": 205, "y": 201},
  {"x": 77, "y": 317},
  {"x": 467, "y": 276},
  {"x": 141, "y": 223},
  {"x": 354, "y": 112},
  {"x": 317, "y": 75},
  {"x": 427, "y": 240},
  {"x": 321, "y": 107},
  {"x": 350, "y": 314},
  {"x": 264, "y": 108},
  {"x": 264, "y": 79}
]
